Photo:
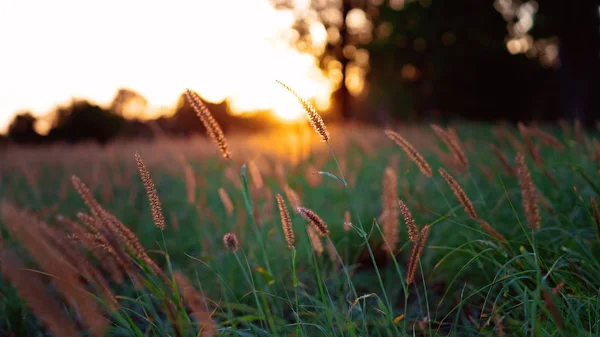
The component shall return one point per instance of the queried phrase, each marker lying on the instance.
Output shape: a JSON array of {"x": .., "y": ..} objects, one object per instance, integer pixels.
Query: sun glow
[{"x": 224, "y": 50}]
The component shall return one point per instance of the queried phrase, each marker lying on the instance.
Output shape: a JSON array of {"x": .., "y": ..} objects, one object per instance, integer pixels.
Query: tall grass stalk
[{"x": 362, "y": 232}]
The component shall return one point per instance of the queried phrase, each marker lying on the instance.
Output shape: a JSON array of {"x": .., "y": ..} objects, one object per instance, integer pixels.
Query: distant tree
[
  {"x": 564, "y": 35},
  {"x": 22, "y": 129},
  {"x": 82, "y": 120},
  {"x": 128, "y": 103},
  {"x": 423, "y": 57}
]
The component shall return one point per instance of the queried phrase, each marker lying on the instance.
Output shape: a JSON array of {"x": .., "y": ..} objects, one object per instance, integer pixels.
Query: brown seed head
[
  {"x": 155, "y": 208},
  {"x": 504, "y": 161},
  {"x": 226, "y": 201},
  {"x": 33, "y": 291},
  {"x": 459, "y": 193},
  {"x": 411, "y": 226},
  {"x": 412, "y": 153},
  {"x": 313, "y": 116},
  {"x": 450, "y": 138},
  {"x": 255, "y": 174},
  {"x": 210, "y": 124},
  {"x": 292, "y": 197},
  {"x": 390, "y": 221},
  {"x": 416, "y": 254},
  {"x": 286, "y": 221},
  {"x": 546, "y": 138},
  {"x": 317, "y": 222},
  {"x": 491, "y": 231},
  {"x": 528, "y": 191},
  {"x": 315, "y": 240},
  {"x": 231, "y": 242}
]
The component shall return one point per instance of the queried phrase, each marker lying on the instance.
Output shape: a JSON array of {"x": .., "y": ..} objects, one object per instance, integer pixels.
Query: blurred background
[{"x": 76, "y": 71}]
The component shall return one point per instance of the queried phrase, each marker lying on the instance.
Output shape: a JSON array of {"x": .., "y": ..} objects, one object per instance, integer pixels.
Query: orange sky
[{"x": 55, "y": 50}]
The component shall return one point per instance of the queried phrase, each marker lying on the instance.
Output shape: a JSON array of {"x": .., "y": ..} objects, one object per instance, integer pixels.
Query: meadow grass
[{"x": 475, "y": 264}]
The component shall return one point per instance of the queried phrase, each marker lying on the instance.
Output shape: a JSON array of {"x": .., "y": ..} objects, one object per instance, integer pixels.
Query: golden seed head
[
  {"x": 390, "y": 222},
  {"x": 286, "y": 221},
  {"x": 411, "y": 226},
  {"x": 210, "y": 124},
  {"x": 155, "y": 207},
  {"x": 313, "y": 116},
  {"x": 412, "y": 153}
]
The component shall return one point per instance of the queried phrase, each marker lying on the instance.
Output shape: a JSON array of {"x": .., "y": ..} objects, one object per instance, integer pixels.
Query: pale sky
[{"x": 54, "y": 50}]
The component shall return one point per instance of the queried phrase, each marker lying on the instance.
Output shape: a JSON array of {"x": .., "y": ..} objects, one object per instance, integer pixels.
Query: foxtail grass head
[
  {"x": 210, "y": 124},
  {"x": 318, "y": 223},
  {"x": 286, "y": 221},
  {"x": 412, "y": 153},
  {"x": 230, "y": 241},
  {"x": 313, "y": 116}
]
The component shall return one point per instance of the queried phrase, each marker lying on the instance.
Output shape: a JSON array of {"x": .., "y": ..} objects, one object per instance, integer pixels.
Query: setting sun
[{"x": 157, "y": 50}]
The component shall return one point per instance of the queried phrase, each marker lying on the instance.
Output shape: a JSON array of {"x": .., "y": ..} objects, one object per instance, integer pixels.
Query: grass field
[{"x": 470, "y": 280}]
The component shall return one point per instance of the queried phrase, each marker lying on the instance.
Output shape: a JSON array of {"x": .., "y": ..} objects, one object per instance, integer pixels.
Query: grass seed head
[
  {"x": 210, "y": 124},
  {"x": 315, "y": 239},
  {"x": 459, "y": 193},
  {"x": 315, "y": 220},
  {"x": 313, "y": 116},
  {"x": 412, "y": 153},
  {"x": 230, "y": 241},
  {"x": 390, "y": 222},
  {"x": 528, "y": 192},
  {"x": 286, "y": 221},
  {"x": 155, "y": 207},
  {"x": 411, "y": 226}
]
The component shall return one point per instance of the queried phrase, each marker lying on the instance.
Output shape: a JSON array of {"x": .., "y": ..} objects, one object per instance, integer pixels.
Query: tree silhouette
[
  {"x": 82, "y": 120},
  {"x": 22, "y": 129}
]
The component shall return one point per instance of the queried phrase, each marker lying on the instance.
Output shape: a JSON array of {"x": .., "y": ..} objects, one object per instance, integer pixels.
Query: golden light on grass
[
  {"x": 196, "y": 46},
  {"x": 312, "y": 115}
]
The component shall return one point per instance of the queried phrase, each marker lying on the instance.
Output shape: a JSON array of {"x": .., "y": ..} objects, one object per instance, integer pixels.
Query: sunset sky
[{"x": 55, "y": 50}]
